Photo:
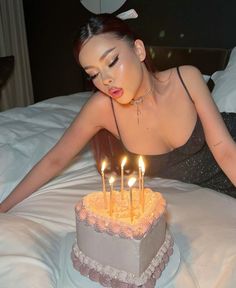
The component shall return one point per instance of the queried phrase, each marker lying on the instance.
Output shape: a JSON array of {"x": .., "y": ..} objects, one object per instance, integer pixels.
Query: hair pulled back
[{"x": 106, "y": 23}]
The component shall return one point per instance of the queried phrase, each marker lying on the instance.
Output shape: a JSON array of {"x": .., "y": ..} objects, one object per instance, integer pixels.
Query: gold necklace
[{"x": 140, "y": 100}]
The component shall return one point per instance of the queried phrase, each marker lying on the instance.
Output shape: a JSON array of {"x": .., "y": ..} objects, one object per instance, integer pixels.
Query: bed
[{"x": 36, "y": 235}]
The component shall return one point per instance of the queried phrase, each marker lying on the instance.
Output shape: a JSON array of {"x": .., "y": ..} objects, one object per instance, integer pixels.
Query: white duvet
[{"x": 202, "y": 221}]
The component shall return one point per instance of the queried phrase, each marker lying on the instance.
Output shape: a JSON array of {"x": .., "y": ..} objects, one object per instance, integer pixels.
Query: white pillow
[
  {"x": 224, "y": 92},
  {"x": 206, "y": 77}
]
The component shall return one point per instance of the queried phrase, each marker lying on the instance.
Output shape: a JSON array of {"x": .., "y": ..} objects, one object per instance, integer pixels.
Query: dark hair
[
  {"x": 104, "y": 144},
  {"x": 106, "y": 23}
]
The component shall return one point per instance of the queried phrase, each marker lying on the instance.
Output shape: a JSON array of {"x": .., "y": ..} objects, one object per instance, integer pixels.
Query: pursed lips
[{"x": 115, "y": 92}]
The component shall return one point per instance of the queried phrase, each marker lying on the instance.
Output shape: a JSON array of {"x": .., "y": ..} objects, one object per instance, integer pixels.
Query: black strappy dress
[{"x": 193, "y": 162}]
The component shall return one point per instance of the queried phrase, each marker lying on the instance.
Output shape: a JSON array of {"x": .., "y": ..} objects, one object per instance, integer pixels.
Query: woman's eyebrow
[
  {"x": 102, "y": 57},
  {"x": 106, "y": 53}
]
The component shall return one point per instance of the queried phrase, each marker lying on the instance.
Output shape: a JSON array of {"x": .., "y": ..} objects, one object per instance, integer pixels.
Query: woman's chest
[{"x": 155, "y": 131}]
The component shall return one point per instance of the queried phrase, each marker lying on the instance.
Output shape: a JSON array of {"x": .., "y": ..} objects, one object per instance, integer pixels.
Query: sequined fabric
[{"x": 193, "y": 162}]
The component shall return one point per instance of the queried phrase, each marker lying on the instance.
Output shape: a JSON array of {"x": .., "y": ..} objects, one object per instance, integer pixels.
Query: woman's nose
[{"x": 106, "y": 79}]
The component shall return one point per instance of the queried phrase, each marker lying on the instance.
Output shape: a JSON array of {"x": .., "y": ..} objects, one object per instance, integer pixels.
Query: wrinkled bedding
[{"x": 202, "y": 221}]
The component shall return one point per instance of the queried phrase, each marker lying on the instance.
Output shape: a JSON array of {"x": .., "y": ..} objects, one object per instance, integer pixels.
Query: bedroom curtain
[{"x": 18, "y": 91}]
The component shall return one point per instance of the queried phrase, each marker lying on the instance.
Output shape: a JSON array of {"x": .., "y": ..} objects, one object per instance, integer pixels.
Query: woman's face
[{"x": 114, "y": 66}]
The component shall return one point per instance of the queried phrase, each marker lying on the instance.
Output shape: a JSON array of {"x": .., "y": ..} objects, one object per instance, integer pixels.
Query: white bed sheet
[{"x": 202, "y": 221}]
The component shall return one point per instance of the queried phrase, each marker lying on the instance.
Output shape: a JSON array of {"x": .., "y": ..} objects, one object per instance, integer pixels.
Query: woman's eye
[
  {"x": 92, "y": 77},
  {"x": 114, "y": 61}
]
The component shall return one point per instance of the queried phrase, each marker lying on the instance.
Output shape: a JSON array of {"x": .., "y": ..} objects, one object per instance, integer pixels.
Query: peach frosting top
[{"x": 92, "y": 209}]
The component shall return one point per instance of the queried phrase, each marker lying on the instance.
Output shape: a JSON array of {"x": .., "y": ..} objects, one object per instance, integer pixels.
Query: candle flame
[
  {"x": 123, "y": 162},
  {"x": 131, "y": 181},
  {"x": 140, "y": 161},
  {"x": 111, "y": 180},
  {"x": 141, "y": 164},
  {"x": 143, "y": 168},
  {"x": 103, "y": 166}
]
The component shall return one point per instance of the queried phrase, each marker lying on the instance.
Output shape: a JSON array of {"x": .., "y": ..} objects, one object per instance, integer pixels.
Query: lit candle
[
  {"x": 140, "y": 163},
  {"x": 142, "y": 186},
  {"x": 130, "y": 184},
  {"x": 122, "y": 177},
  {"x": 103, "y": 183},
  {"x": 111, "y": 181}
]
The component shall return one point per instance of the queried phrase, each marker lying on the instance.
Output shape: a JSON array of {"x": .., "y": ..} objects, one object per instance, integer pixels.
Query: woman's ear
[{"x": 140, "y": 49}]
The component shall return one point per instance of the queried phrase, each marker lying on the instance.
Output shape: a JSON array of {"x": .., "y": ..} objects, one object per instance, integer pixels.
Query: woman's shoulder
[
  {"x": 99, "y": 105},
  {"x": 187, "y": 70},
  {"x": 188, "y": 73},
  {"x": 97, "y": 109},
  {"x": 99, "y": 99},
  {"x": 191, "y": 76}
]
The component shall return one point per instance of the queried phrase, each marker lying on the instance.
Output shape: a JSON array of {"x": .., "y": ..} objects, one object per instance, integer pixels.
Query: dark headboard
[{"x": 207, "y": 60}]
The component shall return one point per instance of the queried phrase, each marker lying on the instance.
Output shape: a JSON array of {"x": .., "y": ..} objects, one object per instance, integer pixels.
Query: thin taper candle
[
  {"x": 130, "y": 184},
  {"x": 143, "y": 195},
  {"x": 103, "y": 183},
  {"x": 140, "y": 164},
  {"x": 111, "y": 181},
  {"x": 122, "y": 177}
]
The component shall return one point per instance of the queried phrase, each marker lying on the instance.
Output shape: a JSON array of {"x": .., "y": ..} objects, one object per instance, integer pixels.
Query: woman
[{"x": 167, "y": 116}]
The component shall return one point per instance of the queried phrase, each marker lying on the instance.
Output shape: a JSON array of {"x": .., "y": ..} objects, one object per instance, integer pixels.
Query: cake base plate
[{"x": 71, "y": 278}]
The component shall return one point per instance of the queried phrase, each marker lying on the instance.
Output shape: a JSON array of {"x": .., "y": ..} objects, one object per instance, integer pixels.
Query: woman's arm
[
  {"x": 217, "y": 135},
  {"x": 82, "y": 129}
]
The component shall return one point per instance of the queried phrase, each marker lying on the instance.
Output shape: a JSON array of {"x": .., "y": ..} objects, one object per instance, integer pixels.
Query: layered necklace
[{"x": 140, "y": 100}]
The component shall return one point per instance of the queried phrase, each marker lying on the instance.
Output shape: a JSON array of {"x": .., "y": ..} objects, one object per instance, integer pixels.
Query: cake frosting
[{"x": 118, "y": 250}]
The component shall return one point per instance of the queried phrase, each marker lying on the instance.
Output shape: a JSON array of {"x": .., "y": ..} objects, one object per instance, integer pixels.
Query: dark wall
[
  {"x": 202, "y": 23},
  {"x": 51, "y": 24}
]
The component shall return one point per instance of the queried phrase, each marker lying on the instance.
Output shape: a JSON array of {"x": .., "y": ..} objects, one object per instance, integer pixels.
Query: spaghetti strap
[
  {"x": 113, "y": 110},
  {"x": 182, "y": 81}
]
